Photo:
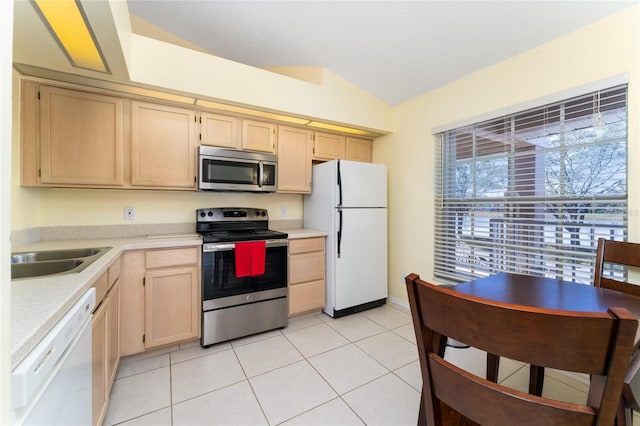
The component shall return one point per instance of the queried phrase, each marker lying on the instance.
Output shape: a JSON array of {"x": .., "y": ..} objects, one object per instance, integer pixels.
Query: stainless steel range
[{"x": 244, "y": 273}]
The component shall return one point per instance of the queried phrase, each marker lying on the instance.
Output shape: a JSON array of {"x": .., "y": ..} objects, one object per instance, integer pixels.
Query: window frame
[{"x": 519, "y": 205}]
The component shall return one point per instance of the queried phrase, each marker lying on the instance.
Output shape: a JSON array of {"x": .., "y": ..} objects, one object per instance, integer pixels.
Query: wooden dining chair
[
  {"x": 612, "y": 253},
  {"x": 598, "y": 344},
  {"x": 618, "y": 255}
]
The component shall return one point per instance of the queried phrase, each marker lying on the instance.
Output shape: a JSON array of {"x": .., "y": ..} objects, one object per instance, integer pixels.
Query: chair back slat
[
  {"x": 470, "y": 396},
  {"x": 616, "y": 253},
  {"x": 576, "y": 332},
  {"x": 586, "y": 342}
]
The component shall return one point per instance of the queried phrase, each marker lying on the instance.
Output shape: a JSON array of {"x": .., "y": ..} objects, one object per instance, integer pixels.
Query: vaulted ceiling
[{"x": 395, "y": 50}]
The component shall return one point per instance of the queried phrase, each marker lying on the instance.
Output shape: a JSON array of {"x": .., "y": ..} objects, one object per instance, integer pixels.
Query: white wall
[
  {"x": 81, "y": 207},
  {"x": 6, "y": 30},
  {"x": 599, "y": 51}
]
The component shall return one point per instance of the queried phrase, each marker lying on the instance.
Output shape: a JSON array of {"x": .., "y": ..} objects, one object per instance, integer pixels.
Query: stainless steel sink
[
  {"x": 39, "y": 256},
  {"x": 50, "y": 262},
  {"x": 37, "y": 269}
]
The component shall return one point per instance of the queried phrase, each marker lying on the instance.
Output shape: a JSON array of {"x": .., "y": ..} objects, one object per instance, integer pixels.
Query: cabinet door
[
  {"x": 220, "y": 130},
  {"x": 81, "y": 138},
  {"x": 99, "y": 364},
  {"x": 306, "y": 297},
  {"x": 113, "y": 333},
  {"x": 163, "y": 148},
  {"x": 295, "y": 148},
  {"x": 132, "y": 302},
  {"x": 358, "y": 149},
  {"x": 306, "y": 275},
  {"x": 172, "y": 307},
  {"x": 258, "y": 136},
  {"x": 306, "y": 267},
  {"x": 328, "y": 146}
]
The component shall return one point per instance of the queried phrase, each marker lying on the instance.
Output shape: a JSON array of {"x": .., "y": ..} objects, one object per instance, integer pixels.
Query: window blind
[{"x": 531, "y": 192}]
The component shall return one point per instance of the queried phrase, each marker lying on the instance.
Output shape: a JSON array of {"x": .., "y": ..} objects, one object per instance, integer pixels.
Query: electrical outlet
[
  {"x": 283, "y": 211},
  {"x": 129, "y": 213}
]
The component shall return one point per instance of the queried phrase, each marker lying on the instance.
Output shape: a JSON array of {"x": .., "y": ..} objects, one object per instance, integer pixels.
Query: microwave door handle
[{"x": 260, "y": 173}]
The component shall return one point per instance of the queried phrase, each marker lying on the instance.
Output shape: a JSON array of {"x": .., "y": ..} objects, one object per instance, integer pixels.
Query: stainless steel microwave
[{"x": 223, "y": 169}]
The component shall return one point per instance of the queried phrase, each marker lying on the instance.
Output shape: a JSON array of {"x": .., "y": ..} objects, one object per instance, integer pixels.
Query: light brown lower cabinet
[
  {"x": 113, "y": 334},
  {"x": 99, "y": 364},
  {"x": 171, "y": 305},
  {"x": 105, "y": 340},
  {"x": 306, "y": 275},
  {"x": 160, "y": 298}
]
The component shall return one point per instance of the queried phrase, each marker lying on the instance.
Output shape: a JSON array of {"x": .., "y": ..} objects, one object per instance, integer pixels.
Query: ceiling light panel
[{"x": 68, "y": 24}]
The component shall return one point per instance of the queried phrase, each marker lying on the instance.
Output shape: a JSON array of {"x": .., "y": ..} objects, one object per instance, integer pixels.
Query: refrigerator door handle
[
  {"x": 339, "y": 231},
  {"x": 339, "y": 185}
]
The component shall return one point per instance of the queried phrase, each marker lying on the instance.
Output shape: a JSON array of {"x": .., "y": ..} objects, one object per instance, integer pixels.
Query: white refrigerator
[{"x": 349, "y": 202}]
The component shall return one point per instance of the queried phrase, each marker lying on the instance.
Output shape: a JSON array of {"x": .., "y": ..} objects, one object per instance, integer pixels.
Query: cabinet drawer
[
  {"x": 306, "y": 267},
  {"x": 305, "y": 245},
  {"x": 113, "y": 273},
  {"x": 306, "y": 297},
  {"x": 171, "y": 257},
  {"x": 101, "y": 286}
]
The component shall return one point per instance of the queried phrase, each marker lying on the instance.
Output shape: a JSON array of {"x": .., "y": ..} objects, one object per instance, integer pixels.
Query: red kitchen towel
[
  {"x": 250, "y": 258},
  {"x": 243, "y": 260},
  {"x": 258, "y": 254}
]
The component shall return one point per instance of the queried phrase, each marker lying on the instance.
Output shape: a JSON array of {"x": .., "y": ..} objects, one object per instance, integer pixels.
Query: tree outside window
[{"x": 532, "y": 192}]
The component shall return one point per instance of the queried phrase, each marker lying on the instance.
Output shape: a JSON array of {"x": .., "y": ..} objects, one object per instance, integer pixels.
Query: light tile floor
[{"x": 360, "y": 369}]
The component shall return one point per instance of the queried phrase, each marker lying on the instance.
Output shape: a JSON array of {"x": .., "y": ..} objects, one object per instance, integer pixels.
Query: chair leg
[
  {"x": 624, "y": 416},
  {"x": 536, "y": 380},
  {"x": 628, "y": 414},
  {"x": 422, "y": 415},
  {"x": 493, "y": 363}
]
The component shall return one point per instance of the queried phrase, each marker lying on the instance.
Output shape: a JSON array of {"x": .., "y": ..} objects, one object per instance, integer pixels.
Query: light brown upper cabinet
[
  {"x": 220, "y": 130},
  {"x": 258, "y": 136},
  {"x": 358, "y": 149},
  {"x": 81, "y": 138},
  {"x": 328, "y": 146},
  {"x": 295, "y": 147},
  {"x": 163, "y": 146}
]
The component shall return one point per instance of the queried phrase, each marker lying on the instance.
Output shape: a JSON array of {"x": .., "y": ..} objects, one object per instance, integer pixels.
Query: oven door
[{"x": 221, "y": 287}]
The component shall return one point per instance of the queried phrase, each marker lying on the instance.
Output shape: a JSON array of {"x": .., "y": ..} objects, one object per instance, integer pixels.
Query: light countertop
[
  {"x": 304, "y": 233},
  {"x": 38, "y": 303}
]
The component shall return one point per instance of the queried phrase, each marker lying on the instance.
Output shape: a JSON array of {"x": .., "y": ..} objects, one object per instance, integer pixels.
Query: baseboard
[{"x": 399, "y": 303}]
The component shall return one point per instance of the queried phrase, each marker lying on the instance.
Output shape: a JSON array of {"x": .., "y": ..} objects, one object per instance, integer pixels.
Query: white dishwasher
[{"x": 52, "y": 385}]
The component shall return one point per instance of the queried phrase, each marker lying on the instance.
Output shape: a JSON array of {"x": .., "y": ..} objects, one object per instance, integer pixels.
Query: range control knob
[
  {"x": 202, "y": 214},
  {"x": 257, "y": 213},
  {"x": 210, "y": 214},
  {"x": 263, "y": 214}
]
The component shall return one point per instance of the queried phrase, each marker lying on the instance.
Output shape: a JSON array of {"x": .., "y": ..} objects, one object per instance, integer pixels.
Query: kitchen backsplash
[{"x": 31, "y": 235}]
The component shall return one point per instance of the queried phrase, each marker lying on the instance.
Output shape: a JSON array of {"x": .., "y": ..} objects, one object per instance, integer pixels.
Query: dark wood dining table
[{"x": 562, "y": 295}]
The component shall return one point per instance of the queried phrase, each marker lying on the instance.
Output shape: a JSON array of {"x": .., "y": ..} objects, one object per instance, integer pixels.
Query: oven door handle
[{"x": 231, "y": 246}]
